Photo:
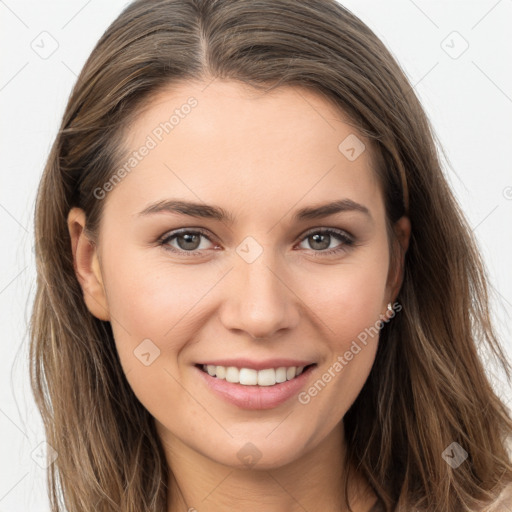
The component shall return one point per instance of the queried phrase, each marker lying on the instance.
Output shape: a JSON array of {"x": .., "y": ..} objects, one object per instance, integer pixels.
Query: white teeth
[
  {"x": 267, "y": 377},
  {"x": 232, "y": 374},
  {"x": 250, "y": 377},
  {"x": 281, "y": 374}
]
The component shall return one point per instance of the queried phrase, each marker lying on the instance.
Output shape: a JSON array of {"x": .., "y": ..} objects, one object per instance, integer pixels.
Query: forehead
[
  {"x": 225, "y": 107},
  {"x": 226, "y": 141}
]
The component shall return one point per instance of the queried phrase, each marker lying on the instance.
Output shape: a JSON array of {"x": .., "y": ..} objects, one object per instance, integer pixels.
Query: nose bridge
[{"x": 260, "y": 303}]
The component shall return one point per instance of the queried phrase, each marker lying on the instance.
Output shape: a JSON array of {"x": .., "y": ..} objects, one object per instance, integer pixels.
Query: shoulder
[
  {"x": 502, "y": 504},
  {"x": 504, "y": 501}
]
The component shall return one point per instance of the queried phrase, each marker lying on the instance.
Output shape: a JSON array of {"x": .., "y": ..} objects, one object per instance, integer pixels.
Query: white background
[{"x": 468, "y": 99}]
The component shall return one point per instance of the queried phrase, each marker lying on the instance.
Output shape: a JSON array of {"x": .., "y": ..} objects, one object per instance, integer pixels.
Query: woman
[{"x": 255, "y": 288}]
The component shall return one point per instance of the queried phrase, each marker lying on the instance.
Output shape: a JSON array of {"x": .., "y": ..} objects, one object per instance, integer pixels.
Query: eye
[
  {"x": 320, "y": 240},
  {"x": 188, "y": 241}
]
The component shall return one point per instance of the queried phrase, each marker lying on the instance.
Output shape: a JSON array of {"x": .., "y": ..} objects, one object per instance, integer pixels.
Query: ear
[
  {"x": 87, "y": 265},
  {"x": 402, "y": 230}
]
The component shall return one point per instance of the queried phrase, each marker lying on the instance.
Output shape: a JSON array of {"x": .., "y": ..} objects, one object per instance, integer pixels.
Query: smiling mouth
[{"x": 250, "y": 377}]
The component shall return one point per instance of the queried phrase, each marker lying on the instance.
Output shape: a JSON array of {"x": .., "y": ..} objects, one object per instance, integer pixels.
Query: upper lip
[{"x": 257, "y": 365}]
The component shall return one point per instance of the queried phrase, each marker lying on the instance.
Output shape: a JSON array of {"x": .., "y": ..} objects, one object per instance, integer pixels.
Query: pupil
[
  {"x": 316, "y": 238},
  {"x": 189, "y": 239},
  {"x": 319, "y": 241}
]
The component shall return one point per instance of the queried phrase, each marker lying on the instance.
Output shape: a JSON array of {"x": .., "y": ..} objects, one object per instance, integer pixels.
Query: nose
[{"x": 259, "y": 300}]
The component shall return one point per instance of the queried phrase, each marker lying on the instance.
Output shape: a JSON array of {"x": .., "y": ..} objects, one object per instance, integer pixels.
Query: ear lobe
[
  {"x": 87, "y": 265},
  {"x": 402, "y": 230}
]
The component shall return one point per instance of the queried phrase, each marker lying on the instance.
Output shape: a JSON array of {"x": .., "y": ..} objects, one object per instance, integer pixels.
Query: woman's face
[{"x": 277, "y": 282}]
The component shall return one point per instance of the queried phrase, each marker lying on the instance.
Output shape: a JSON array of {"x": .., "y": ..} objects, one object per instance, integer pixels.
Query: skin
[{"x": 261, "y": 158}]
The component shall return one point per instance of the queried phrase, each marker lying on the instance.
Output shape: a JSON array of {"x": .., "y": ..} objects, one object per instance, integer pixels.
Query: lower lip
[{"x": 256, "y": 397}]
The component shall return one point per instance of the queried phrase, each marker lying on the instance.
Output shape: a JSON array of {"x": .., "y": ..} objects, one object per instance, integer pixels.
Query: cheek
[
  {"x": 144, "y": 305},
  {"x": 169, "y": 305},
  {"x": 153, "y": 317},
  {"x": 349, "y": 297},
  {"x": 349, "y": 304},
  {"x": 148, "y": 298}
]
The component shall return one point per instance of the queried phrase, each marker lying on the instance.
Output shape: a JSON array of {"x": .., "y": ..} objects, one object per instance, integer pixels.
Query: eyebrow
[{"x": 201, "y": 210}]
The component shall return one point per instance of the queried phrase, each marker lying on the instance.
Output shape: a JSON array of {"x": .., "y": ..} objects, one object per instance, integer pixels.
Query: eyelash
[{"x": 342, "y": 236}]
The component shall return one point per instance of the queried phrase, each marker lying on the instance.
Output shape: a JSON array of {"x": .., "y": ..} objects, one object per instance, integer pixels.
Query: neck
[{"x": 312, "y": 482}]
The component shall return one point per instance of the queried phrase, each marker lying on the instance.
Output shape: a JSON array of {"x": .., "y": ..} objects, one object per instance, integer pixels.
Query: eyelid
[
  {"x": 176, "y": 232},
  {"x": 327, "y": 229},
  {"x": 346, "y": 238}
]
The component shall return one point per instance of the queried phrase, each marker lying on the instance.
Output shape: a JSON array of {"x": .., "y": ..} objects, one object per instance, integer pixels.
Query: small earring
[{"x": 390, "y": 307}]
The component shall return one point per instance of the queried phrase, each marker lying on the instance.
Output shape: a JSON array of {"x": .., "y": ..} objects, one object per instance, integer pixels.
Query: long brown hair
[{"x": 428, "y": 387}]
